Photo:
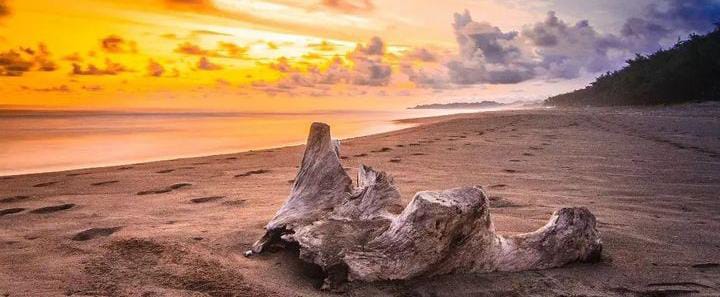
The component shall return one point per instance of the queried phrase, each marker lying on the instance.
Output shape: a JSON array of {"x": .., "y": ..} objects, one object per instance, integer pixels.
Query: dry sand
[{"x": 179, "y": 227}]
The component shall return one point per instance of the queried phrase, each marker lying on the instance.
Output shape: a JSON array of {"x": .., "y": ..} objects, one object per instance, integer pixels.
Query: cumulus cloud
[
  {"x": 74, "y": 57},
  {"x": 116, "y": 44},
  {"x": 422, "y": 54},
  {"x": 231, "y": 50},
  {"x": 222, "y": 50},
  {"x": 368, "y": 66},
  {"x": 363, "y": 66},
  {"x": 155, "y": 69},
  {"x": 282, "y": 64},
  {"x": 4, "y": 8},
  {"x": 204, "y": 64},
  {"x": 487, "y": 55},
  {"x": 555, "y": 49},
  {"x": 111, "y": 68},
  {"x": 426, "y": 77},
  {"x": 669, "y": 19},
  {"x": 13, "y": 64},
  {"x": 323, "y": 46},
  {"x": 24, "y": 59},
  {"x": 376, "y": 47},
  {"x": 189, "y": 48}
]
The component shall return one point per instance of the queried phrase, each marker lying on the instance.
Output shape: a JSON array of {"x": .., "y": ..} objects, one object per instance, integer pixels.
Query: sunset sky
[{"x": 321, "y": 54}]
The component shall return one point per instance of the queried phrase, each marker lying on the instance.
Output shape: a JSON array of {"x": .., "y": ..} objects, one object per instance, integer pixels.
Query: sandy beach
[{"x": 179, "y": 227}]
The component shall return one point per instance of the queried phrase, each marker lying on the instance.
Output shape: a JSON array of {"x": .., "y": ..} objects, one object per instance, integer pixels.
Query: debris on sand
[{"x": 355, "y": 233}]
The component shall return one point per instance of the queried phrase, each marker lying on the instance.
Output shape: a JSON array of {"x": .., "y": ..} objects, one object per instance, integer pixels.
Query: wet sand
[{"x": 179, "y": 227}]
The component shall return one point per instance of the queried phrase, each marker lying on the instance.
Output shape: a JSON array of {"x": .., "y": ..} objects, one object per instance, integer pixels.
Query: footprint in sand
[
  {"x": 54, "y": 208},
  {"x": 94, "y": 233},
  {"x": 104, "y": 183},
  {"x": 382, "y": 150},
  {"x": 165, "y": 190},
  {"x": 206, "y": 199},
  {"x": 10, "y": 211},
  {"x": 165, "y": 171},
  {"x": 706, "y": 265},
  {"x": 500, "y": 202},
  {"x": 253, "y": 172},
  {"x": 41, "y": 185},
  {"x": 78, "y": 174},
  {"x": 360, "y": 155},
  {"x": 234, "y": 202},
  {"x": 12, "y": 199}
]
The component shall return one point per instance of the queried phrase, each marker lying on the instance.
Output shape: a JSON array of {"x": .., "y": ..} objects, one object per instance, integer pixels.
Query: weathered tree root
[{"x": 356, "y": 233}]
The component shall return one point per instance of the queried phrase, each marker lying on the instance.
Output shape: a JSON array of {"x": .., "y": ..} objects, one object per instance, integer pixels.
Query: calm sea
[{"x": 40, "y": 141}]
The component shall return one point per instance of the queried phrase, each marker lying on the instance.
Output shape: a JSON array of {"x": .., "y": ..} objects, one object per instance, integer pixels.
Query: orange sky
[{"x": 233, "y": 54}]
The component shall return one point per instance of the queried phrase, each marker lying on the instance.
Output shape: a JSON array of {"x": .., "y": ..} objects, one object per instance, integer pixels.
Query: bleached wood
[{"x": 352, "y": 233}]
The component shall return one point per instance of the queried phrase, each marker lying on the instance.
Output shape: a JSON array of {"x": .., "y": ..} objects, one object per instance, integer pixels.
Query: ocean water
[{"x": 39, "y": 141}]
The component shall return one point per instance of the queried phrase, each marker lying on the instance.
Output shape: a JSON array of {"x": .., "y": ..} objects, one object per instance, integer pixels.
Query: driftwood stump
[{"x": 358, "y": 232}]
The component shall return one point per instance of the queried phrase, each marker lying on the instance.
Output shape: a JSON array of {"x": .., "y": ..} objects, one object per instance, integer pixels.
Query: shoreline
[
  {"x": 409, "y": 122},
  {"x": 650, "y": 178}
]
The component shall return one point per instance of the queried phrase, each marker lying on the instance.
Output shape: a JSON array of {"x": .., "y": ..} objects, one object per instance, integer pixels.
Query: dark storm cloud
[
  {"x": 554, "y": 49},
  {"x": 669, "y": 19},
  {"x": 487, "y": 55}
]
